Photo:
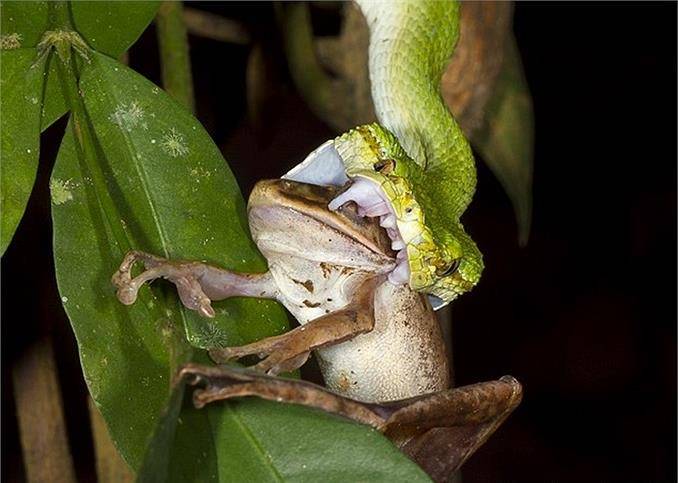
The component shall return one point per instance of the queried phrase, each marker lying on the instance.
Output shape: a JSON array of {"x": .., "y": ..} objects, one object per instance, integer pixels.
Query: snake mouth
[
  {"x": 325, "y": 167},
  {"x": 372, "y": 202}
]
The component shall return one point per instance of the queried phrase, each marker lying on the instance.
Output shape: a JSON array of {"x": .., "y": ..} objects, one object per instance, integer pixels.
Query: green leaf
[
  {"x": 294, "y": 443},
  {"x": 256, "y": 440},
  {"x": 175, "y": 183},
  {"x": 112, "y": 27},
  {"x": 108, "y": 27},
  {"x": 123, "y": 353},
  {"x": 175, "y": 196},
  {"x": 155, "y": 467},
  {"x": 20, "y": 92},
  {"x": 22, "y": 22},
  {"x": 506, "y": 142}
]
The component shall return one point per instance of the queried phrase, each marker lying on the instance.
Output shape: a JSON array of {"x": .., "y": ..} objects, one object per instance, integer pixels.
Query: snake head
[{"x": 435, "y": 254}]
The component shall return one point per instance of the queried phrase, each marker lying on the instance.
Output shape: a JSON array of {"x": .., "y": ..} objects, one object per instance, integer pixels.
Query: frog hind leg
[
  {"x": 289, "y": 351},
  {"x": 439, "y": 431},
  {"x": 197, "y": 283}
]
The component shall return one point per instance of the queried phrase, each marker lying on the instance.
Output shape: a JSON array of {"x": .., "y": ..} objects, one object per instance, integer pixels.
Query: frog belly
[{"x": 404, "y": 356}]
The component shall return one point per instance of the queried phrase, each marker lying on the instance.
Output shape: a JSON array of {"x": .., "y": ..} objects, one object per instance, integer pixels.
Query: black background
[{"x": 584, "y": 316}]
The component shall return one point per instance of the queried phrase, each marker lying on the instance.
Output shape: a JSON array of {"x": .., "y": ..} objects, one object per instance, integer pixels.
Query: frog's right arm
[{"x": 199, "y": 283}]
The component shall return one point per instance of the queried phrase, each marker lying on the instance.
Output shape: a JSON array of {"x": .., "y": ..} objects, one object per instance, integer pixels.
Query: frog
[{"x": 378, "y": 343}]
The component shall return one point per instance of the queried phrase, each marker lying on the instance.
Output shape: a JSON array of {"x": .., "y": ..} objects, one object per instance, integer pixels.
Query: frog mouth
[
  {"x": 325, "y": 167},
  {"x": 312, "y": 201}
]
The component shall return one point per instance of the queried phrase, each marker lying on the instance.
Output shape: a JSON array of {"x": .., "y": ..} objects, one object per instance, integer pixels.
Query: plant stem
[
  {"x": 215, "y": 27},
  {"x": 59, "y": 15},
  {"x": 175, "y": 60},
  {"x": 309, "y": 76},
  {"x": 86, "y": 149},
  {"x": 40, "y": 416}
]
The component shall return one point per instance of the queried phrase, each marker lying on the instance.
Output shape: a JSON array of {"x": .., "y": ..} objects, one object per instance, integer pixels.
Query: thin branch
[
  {"x": 215, "y": 27},
  {"x": 175, "y": 60},
  {"x": 308, "y": 75},
  {"x": 40, "y": 415}
]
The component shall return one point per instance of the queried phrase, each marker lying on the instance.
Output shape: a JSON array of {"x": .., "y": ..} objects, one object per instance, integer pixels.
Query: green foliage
[
  {"x": 174, "y": 192},
  {"x": 507, "y": 141},
  {"x": 136, "y": 170},
  {"x": 108, "y": 27},
  {"x": 21, "y": 80},
  {"x": 112, "y": 27},
  {"x": 25, "y": 21},
  {"x": 125, "y": 352}
]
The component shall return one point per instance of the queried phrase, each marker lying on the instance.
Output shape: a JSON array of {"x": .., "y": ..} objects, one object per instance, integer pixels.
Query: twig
[
  {"x": 176, "y": 63},
  {"x": 42, "y": 428},
  {"x": 215, "y": 27},
  {"x": 308, "y": 75}
]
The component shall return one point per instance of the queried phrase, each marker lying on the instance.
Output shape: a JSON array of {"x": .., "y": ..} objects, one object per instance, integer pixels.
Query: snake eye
[
  {"x": 384, "y": 166},
  {"x": 450, "y": 269}
]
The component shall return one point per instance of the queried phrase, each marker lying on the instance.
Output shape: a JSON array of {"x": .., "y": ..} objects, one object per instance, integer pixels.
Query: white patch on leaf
[
  {"x": 61, "y": 190},
  {"x": 128, "y": 116},
  {"x": 10, "y": 41},
  {"x": 174, "y": 144},
  {"x": 200, "y": 172}
]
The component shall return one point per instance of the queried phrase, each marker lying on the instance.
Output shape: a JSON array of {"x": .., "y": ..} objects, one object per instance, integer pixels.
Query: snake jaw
[
  {"x": 372, "y": 201},
  {"x": 387, "y": 183},
  {"x": 373, "y": 156}
]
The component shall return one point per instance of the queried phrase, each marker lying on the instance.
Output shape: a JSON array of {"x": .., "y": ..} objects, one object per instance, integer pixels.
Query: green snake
[{"x": 414, "y": 168}]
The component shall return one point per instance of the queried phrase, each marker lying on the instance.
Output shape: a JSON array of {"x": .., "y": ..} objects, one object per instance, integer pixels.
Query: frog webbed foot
[{"x": 197, "y": 283}]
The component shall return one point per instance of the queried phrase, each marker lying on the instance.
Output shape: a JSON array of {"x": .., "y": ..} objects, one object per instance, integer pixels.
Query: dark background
[{"x": 584, "y": 316}]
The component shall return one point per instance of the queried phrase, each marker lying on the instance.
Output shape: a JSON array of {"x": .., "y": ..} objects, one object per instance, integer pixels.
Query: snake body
[{"x": 414, "y": 168}]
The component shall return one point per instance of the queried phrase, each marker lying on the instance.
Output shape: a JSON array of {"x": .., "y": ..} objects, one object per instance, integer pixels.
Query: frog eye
[
  {"x": 450, "y": 269},
  {"x": 384, "y": 166}
]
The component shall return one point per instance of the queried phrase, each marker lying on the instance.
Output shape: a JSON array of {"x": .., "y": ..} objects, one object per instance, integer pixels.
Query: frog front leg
[
  {"x": 197, "y": 283},
  {"x": 290, "y": 351}
]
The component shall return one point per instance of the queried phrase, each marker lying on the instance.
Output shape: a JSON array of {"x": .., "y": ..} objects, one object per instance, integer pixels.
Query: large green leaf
[
  {"x": 175, "y": 196},
  {"x": 123, "y": 351},
  {"x": 21, "y": 80},
  {"x": 175, "y": 187},
  {"x": 255, "y": 440},
  {"x": 108, "y": 27},
  {"x": 506, "y": 142}
]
